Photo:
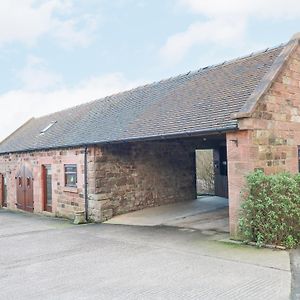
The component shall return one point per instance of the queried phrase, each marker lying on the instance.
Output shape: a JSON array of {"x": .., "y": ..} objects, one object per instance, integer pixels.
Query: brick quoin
[{"x": 269, "y": 138}]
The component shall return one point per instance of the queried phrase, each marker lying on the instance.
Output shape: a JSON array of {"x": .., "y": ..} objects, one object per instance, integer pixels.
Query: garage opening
[{"x": 168, "y": 171}]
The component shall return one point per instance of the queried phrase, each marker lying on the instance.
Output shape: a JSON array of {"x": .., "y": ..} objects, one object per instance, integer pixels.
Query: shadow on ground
[{"x": 208, "y": 213}]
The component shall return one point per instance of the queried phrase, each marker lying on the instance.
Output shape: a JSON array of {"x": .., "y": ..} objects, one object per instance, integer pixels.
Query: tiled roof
[{"x": 193, "y": 103}]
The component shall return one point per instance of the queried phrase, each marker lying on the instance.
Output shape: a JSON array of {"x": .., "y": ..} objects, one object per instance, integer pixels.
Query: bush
[{"x": 271, "y": 209}]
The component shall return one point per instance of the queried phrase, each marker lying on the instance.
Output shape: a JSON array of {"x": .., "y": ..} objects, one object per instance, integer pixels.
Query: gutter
[{"x": 220, "y": 130}]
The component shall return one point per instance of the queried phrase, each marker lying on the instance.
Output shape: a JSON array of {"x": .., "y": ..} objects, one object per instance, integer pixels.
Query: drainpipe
[{"x": 86, "y": 200}]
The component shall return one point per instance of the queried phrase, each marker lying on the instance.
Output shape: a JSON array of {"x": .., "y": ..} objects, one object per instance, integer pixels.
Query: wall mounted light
[{"x": 236, "y": 142}]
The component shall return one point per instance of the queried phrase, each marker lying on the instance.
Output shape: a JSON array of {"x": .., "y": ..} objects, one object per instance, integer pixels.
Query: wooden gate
[{"x": 24, "y": 185}]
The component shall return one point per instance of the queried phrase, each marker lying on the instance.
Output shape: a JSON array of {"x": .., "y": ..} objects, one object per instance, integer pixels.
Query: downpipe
[{"x": 86, "y": 200}]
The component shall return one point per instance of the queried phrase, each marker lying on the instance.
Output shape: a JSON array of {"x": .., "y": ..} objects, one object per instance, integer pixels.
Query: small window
[
  {"x": 48, "y": 127},
  {"x": 71, "y": 175}
]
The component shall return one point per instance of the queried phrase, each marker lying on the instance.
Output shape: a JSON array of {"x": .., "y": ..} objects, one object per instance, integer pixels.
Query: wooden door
[
  {"x": 20, "y": 188},
  {"x": 24, "y": 184},
  {"x": 47, "y": 187}
]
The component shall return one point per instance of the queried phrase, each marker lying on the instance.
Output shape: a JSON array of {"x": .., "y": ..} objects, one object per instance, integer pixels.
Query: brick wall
[
  {"x": 269, "y": 138},
  {"x": 65, "y": 200},
  {"x": 121, "y": 178},
  {"x": 133, "y": 176},
  {"x": 127, "y": 177}
]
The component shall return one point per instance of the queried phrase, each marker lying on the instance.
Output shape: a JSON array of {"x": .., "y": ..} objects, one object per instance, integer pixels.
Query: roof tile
[{"x": 192, "y": 103}]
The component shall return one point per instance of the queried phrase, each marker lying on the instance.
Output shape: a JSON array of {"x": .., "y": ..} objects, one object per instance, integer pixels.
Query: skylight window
[{"x": 48, "y": 127}]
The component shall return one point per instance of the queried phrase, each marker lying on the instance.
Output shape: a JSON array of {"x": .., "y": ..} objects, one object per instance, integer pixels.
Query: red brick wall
[
  {"x": 121, "y": 177},
  {"x": 65, "y": 200},
  {"x": 269, "y": 138}
]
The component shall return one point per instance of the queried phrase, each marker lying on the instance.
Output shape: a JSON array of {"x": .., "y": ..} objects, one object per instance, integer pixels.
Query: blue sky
[{"x": 59, "y": 53}]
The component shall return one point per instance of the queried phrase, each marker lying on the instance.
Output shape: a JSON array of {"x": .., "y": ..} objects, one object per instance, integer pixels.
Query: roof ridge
[
  {"x": 224, "y": 63},
  {"x": 189, "y": 73},
  {"x": 234, "y": 60},
  {"x": 190, "y": 103}
]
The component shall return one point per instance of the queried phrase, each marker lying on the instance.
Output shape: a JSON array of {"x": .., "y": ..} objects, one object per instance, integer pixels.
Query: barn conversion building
[{"x": 136, "y": 149}]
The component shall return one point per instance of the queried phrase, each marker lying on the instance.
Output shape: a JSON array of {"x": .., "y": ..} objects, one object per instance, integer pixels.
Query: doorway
[
  {"x": 3, "y": 190},
  {"x": 47, "y": 187},
  {"x": 24, "y": 185},
  {"x": 221, "y": 172},
  {"x": 212, "y": 202},
  {"x": 205, "y": 178},
  {"x": 211, "y": 172}
]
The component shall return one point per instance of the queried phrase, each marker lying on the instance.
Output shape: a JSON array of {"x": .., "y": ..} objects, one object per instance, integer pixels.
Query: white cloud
[
  {"x": 17, "y": 106},
  {"x": 36, "y": 76},
  {"x": 69, "y": 34},
  {"x": 213, "y": 31},
  {"x": 27, "y": 20},
  {"x": 266, "y": 9},
  {"x": 225, "y": 23}
]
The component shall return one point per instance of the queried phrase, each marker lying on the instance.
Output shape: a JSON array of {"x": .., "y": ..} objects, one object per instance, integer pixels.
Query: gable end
[{"x": 268, "y": 79}]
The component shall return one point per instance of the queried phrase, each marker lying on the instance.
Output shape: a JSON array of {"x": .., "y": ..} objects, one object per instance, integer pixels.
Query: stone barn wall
[
  {"x": 269, "y": 139},
  {"x": 121, "y": 177},
  {"x": 133, "y": 176},
  {"x": 65, "y": 200}
]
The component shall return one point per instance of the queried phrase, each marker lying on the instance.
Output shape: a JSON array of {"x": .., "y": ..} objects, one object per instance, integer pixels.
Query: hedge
[{"x": 271, "y": 209}]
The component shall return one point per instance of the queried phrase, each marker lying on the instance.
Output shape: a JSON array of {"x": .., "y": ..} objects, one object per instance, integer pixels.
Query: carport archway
[{"x": 169, "y": 182}]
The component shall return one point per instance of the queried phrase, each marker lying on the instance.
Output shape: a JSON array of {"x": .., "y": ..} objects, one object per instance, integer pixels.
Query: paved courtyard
[{"x": 43, "y": 258}]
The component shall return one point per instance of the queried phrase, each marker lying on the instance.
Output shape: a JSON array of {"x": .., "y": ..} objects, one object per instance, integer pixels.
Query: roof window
[{"x": 47, "y": 127}]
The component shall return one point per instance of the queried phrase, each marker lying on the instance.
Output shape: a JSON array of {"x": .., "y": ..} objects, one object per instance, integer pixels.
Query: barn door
[
  {"x": 24, "y": 189},
  {"x": 20, "y": 188}
]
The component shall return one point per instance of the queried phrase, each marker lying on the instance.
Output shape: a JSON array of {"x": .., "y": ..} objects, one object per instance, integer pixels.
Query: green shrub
[{"x": 271, "y": 210}]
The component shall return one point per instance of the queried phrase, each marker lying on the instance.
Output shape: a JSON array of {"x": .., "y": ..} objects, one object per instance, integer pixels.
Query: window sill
[{"x": 70, "y": 189}]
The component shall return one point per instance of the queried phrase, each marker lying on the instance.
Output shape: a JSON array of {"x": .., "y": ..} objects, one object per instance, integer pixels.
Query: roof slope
[{"x": 192, "y": 103}]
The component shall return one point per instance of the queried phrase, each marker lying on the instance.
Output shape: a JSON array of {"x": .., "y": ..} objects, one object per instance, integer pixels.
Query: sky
[{"x": 56, "y": 54}]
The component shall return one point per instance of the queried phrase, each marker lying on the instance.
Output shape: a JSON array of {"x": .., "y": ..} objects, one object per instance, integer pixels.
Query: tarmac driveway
[{"x": 43, "y": 258}]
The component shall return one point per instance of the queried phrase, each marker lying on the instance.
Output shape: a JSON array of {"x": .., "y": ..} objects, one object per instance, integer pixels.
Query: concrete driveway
[
  {"x": 208, "y": 213},
  {"x": 43, "y": 258},
  {"x": 295, "y": 263}
]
